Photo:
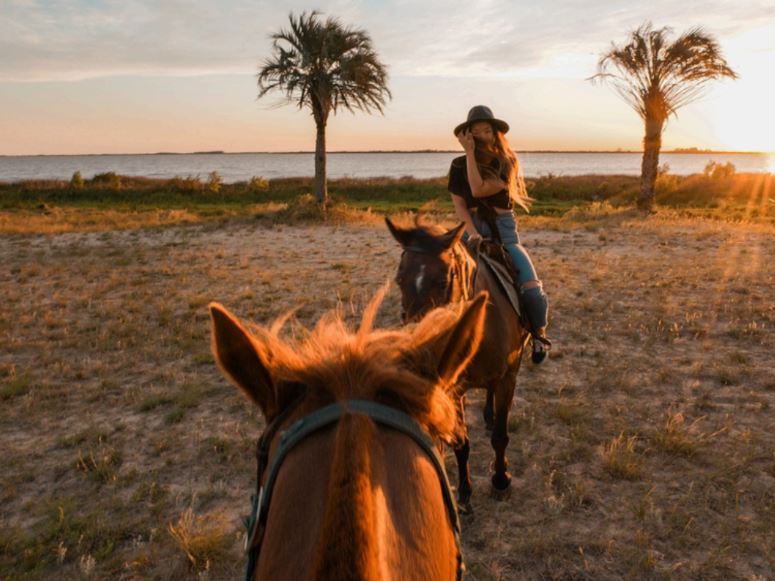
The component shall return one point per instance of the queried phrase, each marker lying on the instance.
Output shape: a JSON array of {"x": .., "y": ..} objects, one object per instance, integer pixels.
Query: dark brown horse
[
  {"x": 349, "y": 458},
  {"x": 435, "y": 269}
]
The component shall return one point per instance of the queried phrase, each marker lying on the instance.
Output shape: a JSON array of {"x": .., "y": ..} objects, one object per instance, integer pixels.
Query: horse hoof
[
  {"x": 501, "y": 482},
  {"x": 500, "y": 495}
]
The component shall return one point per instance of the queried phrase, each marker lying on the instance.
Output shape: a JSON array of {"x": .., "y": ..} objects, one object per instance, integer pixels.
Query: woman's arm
[
  {"x": 480, "y": 187},
  {"x": 461, "y": 211}
]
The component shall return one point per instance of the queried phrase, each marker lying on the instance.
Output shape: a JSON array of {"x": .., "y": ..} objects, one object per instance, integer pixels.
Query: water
[{"x": 235, "y": 167}]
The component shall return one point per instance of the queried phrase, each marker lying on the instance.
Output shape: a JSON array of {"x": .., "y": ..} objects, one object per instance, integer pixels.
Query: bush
[
  {"x": 76, "y": 182},
  {"x": 258, "y": 183},
  {"x": 109, "y": 180},
  {"x": 187, "y": 184},
  {"x": 719, "y": 171},
  {"x": 214, "y": 182}
]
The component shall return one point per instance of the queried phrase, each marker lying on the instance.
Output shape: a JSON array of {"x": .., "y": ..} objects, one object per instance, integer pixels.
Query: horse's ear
[
  {"x": 241, "y": 360},
  {"x": 464, "y": 340},
  {"x": 402, "y": 236},
  {"x": 453, "y": 236}
]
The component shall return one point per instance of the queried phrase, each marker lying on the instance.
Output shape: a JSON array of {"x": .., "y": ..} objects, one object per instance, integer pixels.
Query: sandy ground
[{"x": 645, "y": 447}]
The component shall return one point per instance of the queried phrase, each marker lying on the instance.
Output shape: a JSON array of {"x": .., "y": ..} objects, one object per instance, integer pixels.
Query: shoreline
[{"x": 386, "y": 151}]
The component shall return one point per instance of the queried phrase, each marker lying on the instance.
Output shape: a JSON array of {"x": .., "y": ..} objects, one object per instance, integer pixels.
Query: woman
[{"x": 487, "y": 180}]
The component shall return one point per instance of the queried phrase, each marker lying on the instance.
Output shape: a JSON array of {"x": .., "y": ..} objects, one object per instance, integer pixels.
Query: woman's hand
[{"x": 466, "y": 140}]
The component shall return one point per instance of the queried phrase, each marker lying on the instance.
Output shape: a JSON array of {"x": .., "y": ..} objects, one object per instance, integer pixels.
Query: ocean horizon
[{"x": 242, "y": 166}]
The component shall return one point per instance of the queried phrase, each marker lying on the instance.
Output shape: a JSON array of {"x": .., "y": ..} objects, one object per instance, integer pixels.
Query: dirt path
[{"x": 645, "y": 446}]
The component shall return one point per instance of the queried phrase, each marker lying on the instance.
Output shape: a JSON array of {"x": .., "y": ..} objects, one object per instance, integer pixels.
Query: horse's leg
[
  {"x": 488, "y": 413},
  {"x": 504, "y": 394},
  {"x": 462, "y": 451}
]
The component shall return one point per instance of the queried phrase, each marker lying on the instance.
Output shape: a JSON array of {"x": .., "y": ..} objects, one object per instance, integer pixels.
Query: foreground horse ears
[
  {"x": 238, "y": 357},
  {"x": 463, "y": 341}
]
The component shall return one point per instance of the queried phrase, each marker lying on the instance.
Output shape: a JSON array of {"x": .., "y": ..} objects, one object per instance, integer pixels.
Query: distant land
[{"x": 689, "y": 150}]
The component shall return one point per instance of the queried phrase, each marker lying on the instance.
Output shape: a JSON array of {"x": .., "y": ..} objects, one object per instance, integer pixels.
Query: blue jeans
[{"x": 507, "y": 228}]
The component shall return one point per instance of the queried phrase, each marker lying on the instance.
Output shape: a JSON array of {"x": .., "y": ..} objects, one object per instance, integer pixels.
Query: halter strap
[
  {"x": 381, "y": 414},
  {"x": 460, "y": 269}
]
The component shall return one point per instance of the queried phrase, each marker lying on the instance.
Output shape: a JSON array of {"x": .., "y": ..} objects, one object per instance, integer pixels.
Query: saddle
[
  {"x": 497, "y": 259},
  {"x": 492, "y": 253}
]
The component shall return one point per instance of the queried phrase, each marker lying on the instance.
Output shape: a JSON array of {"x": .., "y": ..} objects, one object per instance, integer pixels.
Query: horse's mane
[{"x": 391, "y": 366}]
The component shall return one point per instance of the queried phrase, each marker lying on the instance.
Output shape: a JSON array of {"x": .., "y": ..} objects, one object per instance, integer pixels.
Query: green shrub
[
  {"x": 108, "y": 181},
  {"x": 258, "y": 183},
  {"x": 76, "y": 182},
  {"x": 186, "y": 185},
  {"x": 214, "y": 182}
]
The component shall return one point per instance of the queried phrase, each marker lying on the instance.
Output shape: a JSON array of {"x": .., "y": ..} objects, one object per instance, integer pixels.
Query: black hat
[{"x": 482, "y": 113}]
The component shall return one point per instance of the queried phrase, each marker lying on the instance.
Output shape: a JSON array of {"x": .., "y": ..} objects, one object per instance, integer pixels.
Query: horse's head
[
  {"x": 407, "y": 368},
  {"x": 332, "y": 479},
  {"x": 426, "y": 271},
  {"x": 377, "y": 461}
]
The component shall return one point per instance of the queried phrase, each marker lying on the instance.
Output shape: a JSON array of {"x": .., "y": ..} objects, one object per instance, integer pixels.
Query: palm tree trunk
[
  {"x": 321, "y": 187},
  {"x": 652, "y": 143}
]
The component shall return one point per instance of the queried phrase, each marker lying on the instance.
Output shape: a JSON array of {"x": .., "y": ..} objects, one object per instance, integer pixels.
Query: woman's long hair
[{"x": 499, "y": 161}]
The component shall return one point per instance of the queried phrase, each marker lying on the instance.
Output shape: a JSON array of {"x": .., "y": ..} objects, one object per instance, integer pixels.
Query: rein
[
  {"x": 311, "y": 423},
  {"x": 461, "y": 270}
]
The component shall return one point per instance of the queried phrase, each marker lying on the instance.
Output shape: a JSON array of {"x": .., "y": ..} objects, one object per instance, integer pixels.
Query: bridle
[
  {"x": 459, "y": 272},
  {"x": 311, "y": 423}
]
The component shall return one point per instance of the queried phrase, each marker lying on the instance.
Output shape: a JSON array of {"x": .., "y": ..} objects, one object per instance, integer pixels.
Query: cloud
[{"x": 84, "y": 39}]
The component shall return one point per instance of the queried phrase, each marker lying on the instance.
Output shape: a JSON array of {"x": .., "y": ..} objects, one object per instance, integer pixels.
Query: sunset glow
[{"x": 192, "y": 87}]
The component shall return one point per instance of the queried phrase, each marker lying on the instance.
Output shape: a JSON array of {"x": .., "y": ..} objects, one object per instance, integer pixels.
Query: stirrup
[{"x": 541, "y": 348}]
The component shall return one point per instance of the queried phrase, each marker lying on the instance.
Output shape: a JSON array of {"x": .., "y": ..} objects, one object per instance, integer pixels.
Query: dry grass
[
  {"x": 203, "y": 539},
  {"x": 620, "y": 458},
  {"x": 644, "y": 447}
]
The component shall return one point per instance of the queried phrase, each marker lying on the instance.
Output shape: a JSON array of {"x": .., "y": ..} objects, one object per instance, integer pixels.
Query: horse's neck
[
  {"x": 349, "y": 545},
  {"x": 358, "y": 503},
  {"x": 385, "y": 517}
]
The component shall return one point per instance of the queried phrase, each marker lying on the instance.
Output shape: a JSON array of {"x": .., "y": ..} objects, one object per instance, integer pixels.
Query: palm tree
[
  {"x": 656, "y": 77},
  {"x": 324, "y": 65}
]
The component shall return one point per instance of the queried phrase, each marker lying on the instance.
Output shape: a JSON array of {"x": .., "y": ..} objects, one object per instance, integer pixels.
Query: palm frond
[
  {"x": 657, "y": 77},
  {"x": 326, "y": 66}
]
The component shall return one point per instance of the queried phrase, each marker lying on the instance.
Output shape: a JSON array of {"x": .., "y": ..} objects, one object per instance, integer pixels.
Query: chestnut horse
[
  {"x": 352, "y": 484},
  {"x": 436, "y": 269}
]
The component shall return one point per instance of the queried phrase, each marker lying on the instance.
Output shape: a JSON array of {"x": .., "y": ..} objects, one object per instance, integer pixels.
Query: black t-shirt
[{"x": 458, "y": 185}]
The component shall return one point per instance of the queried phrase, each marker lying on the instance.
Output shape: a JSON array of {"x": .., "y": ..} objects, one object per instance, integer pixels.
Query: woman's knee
[{"x": 532, "y": 283}]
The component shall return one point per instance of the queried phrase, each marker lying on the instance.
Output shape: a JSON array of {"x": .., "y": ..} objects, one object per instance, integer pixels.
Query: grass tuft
[
  {"x": 621, "y": 460},
  {"x": 675, "y": 437},
  {"x": 204, "y": 539},
  {"x": 101, "y": 465}
]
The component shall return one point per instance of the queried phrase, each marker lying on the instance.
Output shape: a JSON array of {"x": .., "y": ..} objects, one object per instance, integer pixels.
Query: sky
[{"x": 143, "y": 76}]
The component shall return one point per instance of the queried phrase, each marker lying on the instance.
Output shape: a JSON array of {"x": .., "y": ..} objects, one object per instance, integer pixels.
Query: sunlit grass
[
  {"x": 204, "y": 539},
  {"x": 54, "y": 206}
]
